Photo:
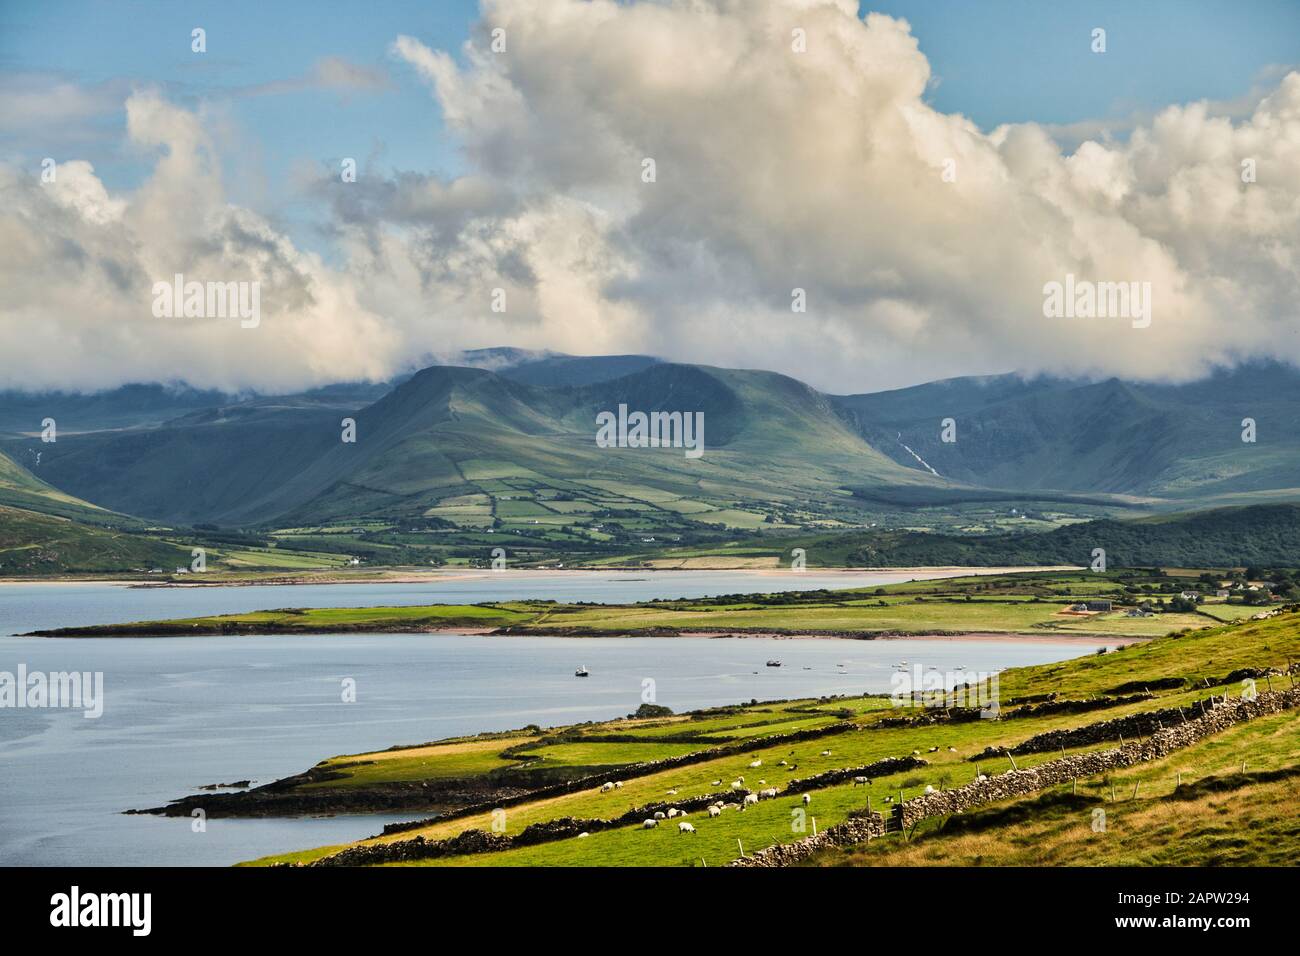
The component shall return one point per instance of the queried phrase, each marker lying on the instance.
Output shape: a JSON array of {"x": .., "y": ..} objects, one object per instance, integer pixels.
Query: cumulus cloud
[{"x": 775, "y": 169}]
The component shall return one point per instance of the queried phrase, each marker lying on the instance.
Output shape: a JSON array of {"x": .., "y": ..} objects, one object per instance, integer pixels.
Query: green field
[{"x": 1147, "y": 824}]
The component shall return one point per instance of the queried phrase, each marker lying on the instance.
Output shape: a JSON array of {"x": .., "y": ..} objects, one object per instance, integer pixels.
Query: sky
[{"x": 920, "y": 170}]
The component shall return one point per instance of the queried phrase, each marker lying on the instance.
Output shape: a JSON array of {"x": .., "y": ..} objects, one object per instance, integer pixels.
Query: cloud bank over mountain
[{"x": 792, "y": 148}]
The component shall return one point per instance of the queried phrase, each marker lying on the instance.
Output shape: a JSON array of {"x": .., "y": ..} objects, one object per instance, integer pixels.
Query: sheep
[
  {"x": 649, "y": 824},
  {"x": 672, "y": 793},
  {"x": 952, "y": 750},
  {"x": 889, "y": 799},
  {"x": 916, "y": 753},
  {"x": 659, "y": 815},
  {"x": 807, "y": 799},
  {"x": 755, "y": 763},
  {"x": 826, "y": 753},
  {"x": 780, "y": 763},
  {"x": 672, "y": 812},
  {"x": 737, "y": 784},
  {"x": 929, "y": 789},
  {"x": 583, "y": 834},
  {"x": 762, "y": 783},
  {"x": 934, "y": 749},
  {"x": 750, "y": 798},
  {"x": 768, "y": 794},
  {"x": 862, "y": 781},
  {"x": 982, "y": 777},
  {"x": 618, "y": 784},
  {"x": 715, "y": 783},
  {"x": 606, "y": 787},
  {"x": 684, "y": 828},
  {"x": 715, "y": 811},
  {"x": 732, "y": 806}
]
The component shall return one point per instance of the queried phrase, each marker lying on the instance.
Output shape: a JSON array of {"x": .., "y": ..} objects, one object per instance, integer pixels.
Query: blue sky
[
  {"x": 997, "y": 61},
  {"x": 914, "y": 276}
]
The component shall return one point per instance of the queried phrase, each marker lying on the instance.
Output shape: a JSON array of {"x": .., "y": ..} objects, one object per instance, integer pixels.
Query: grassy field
[
  {"x": 1028, "y": 603},
  {"x": 1149, "y": 814}
]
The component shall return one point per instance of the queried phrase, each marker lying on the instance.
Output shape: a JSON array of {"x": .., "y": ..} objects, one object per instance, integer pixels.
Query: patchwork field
[{"x": 1197, "y": 804}]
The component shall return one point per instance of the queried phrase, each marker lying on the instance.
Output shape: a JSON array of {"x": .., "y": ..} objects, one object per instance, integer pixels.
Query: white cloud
[{"x": 775, "y": 169}]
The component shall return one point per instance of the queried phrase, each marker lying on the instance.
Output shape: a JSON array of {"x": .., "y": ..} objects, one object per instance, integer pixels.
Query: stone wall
[{"x": 1226, "y": 713}]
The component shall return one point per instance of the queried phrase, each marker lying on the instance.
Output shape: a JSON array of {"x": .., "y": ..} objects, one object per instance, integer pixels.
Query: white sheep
[
  {"x": 862, "y": 781},
  {"x": 929, "y": 789},
  {"x": 750, "y": 798},
  {"x": 755, "y": 763},
  {"x": 952, "y": 750},
  {"x": 768, "y": 794},
  {"x": 672, "y": 812},
  {"x": 736, "y": 784},
  {"x": 716, "y": 783},
  {"x": 826, "y": 753},
  {"x": 584, "y": 834},
  {"x": 916, "y": 753},
  {"x": 807, "y": 799},
  {"x": 715, "y": 811},
  {"x": 659, "y": 815},
  {"x": 672, "y": 793},
  {"x": 606, "y": 787},
  {"x": 649, "y": 824},
  {"x": 684, "y": 828},
  {"x": 618, "y": 784},
  {"x": 780, "y": 763}
]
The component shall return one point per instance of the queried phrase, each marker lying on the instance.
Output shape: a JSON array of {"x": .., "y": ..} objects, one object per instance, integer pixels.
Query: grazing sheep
[
  {"x": 672, "y": 793},
  {"x": 583, "y": 834},
  {"x": 768, "y": 794},
  {"x": 716, "y": 783},
  {"x": 862, "y": 781},
  {"x": 659, "y": 815},
  {"x": 755, "y": 763},
  {"x": 826, "y": 753},
  {"x": 736, "y": 784},
  {"x": 606, "y": 787},
  {"x": 952, "y": 750},
  {"x": 762, "y": 783},
  {"x": 807, "y": 799},
  {"x": 889, "y": 799},
  {"x": 750, "y": 798},
  {"x": 684, "y": 828},
  {"x": 673, "y": 812},
  {"x": 780, "y": 763},
  {"x": 732, "y": 806},
  {"x": 649, "y": 824},
  {"x": 715, "y": 811},
  {"x": 934, "y": 749},
  {"x": 618, "y": 784},
  {"x": 916, "y": 753}
]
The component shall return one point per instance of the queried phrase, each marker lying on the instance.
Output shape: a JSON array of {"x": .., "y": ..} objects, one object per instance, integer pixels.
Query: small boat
[
  {"x": 582, "y": 672},
  {"x": 773, "y": 663}
]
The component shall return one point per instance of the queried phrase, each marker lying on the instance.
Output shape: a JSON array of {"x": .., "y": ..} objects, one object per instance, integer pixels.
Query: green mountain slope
[
  {"x": 447, "y": 433},
  {"x": 1262, "y": 535},
  {"x": 1177, "y": 442}
]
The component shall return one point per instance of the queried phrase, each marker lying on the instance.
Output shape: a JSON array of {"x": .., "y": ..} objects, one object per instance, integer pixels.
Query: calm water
[{"x": 183, "y": 712}]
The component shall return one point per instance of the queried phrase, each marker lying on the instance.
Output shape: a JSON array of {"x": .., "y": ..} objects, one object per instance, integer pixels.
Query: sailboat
[{"x": 582, "y": 672}]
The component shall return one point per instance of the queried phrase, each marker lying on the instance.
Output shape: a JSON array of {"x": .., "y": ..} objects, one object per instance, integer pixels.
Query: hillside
[
  {"x": 1155, "y": 734},
  {"x": 1178, "y": 442},
  {"x": 450, "y": 435},
  {"x": 1260, "y": 535}
]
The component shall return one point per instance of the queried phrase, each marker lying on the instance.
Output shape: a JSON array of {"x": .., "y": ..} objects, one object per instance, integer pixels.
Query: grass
[{"x": 1140, "y": 826}]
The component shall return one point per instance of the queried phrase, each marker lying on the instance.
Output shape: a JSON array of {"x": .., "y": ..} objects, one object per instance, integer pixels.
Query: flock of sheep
[{"x": 749, "y": 799}]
